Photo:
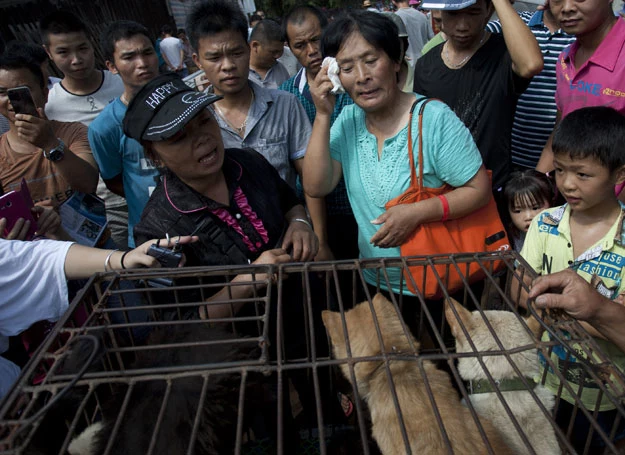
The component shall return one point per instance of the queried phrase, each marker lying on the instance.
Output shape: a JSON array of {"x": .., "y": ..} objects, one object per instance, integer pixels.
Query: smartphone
[
  {"x": 15, "y": 205},
  {"x": 22, "y": 101}
]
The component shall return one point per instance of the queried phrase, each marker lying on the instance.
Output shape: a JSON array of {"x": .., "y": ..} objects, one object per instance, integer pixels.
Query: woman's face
[
  {"x": 367, "y": 73},
  {"x": 194, "y": 153}
]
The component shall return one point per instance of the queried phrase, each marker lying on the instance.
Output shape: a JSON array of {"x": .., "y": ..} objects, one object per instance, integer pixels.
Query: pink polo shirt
[{"x": 601, "y": 79}]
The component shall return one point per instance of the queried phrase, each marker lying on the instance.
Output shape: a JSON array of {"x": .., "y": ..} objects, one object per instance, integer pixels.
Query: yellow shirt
[{"x": 548, "y": 249}]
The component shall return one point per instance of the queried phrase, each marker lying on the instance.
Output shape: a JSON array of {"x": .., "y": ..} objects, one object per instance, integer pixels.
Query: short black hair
[
  {"x": 117, "y": 31},
  {"x": 9, "y": 63},
  {"x": 215, "y": 16},
  {"x": 166, "y": 29},
  {"x": 298, "y": 15},
  {"x": 26, "y": 50},
  {"x": 61, "y": 21},
  {"x": 377, "y": 30},
  {"x": 266, "y": 31},
  {"x": 597, "y": 132}
]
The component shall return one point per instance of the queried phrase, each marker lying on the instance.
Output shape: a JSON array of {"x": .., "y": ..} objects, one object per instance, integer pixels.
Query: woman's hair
[
  {"x": 376, "y": 29},
  {"x": 527, "y": 188}
]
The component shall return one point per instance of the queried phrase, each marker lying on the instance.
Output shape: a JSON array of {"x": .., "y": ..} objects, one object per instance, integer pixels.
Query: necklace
[
  {"x": 455, "y": 66},
  {"x": 240, "y": 130}
]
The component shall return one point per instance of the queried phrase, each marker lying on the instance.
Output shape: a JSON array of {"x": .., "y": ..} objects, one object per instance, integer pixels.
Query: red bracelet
[{"x": 445, "y": 207}]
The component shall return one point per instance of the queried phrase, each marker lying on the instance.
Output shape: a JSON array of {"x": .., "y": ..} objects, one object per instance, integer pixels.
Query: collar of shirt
[
  {"x": 261, "y": 103},
  {"x": 560, "y": 217},
  {"x": 300, "y": 80},
  {"x": 185, "y": 199},
  {"x": 606, "y": 55}
]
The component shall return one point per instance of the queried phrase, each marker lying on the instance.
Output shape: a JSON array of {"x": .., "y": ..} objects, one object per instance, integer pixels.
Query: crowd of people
[{"x": 280, "y": 158}]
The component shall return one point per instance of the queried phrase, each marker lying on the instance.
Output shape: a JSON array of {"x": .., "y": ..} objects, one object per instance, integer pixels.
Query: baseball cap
[
  {"x": 447, "y": 4},
  {"x": 163, "y": 107},
  {"x": 398, "y": 22}
]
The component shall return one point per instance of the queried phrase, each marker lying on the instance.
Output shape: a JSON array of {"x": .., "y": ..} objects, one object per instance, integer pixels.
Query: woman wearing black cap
[{"x": 234, "y": 200}]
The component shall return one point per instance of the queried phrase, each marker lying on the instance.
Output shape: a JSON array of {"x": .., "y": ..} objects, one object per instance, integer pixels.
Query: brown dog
[{"x": 409, "y": 381}]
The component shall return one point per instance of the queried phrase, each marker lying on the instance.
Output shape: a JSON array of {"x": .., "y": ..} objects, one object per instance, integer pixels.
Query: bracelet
[
  {"x": 122, "y": 259},
  {"x": 107, "y": 261},
  {"x": 302, "y": 220},
  {"x": 445, "y": 203}
]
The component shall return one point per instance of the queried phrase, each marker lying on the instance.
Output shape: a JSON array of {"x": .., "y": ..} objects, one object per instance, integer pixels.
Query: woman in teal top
[{"x": 367, "y": 144}]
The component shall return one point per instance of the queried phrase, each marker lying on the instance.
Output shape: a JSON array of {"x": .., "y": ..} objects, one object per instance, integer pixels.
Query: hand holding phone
[
  {"x": 16, "y": 206},
  {"x": 22, "y": 101}
]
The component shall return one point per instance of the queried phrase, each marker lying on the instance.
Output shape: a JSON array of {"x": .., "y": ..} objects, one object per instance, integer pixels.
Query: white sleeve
[{"x": 33, "y": 286}]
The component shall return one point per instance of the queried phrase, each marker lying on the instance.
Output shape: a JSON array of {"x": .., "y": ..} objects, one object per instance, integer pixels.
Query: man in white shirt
[
  {"x": 418, "y": 27},
  {"x": 173, "y": 52},
  {"x": 81, "y": 95}
]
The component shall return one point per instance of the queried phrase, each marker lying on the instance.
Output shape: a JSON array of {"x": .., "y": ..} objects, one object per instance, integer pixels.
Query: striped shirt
[{"x": 536, "y": 110}]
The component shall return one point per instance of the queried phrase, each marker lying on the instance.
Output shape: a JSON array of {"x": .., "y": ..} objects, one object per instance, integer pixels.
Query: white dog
[{"x": 512, "y": 334}]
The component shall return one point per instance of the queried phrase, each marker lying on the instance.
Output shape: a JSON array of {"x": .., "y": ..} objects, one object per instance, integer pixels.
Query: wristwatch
[{"x": 57, "y": 153}]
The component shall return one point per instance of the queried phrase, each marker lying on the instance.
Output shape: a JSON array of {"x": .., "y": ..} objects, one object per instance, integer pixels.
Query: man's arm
[
  {"x": 318, "y": 215},
  {"x": 545, "y": 163},
  {"x": 527, "y": 60},
  {"x": 116, "y": 185},
  {"x": 78, "y": 168},
  {"x": 570, "y": 292}
]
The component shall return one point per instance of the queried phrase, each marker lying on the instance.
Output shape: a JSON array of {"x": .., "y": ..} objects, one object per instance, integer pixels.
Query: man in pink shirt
[{"x": 591, "y": 71}]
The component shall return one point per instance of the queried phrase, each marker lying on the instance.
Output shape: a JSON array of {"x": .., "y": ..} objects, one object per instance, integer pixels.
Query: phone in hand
[
  {"x": 22, "y": 101},
  {"x": 15, "y": 205}
]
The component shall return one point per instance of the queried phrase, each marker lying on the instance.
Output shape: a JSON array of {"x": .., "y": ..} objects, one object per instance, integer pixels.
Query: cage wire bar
[{"x": 261, "y": 378}]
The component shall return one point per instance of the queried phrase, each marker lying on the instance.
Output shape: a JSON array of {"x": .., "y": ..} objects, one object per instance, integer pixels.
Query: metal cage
[{"x": 133, "y": 356}]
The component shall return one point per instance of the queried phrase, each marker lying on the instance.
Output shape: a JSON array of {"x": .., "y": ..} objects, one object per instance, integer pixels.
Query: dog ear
[
  {"x": 332, "y": 321},
  {"x": 464, "y": 316},
  {"x": 534, "y": 325}
]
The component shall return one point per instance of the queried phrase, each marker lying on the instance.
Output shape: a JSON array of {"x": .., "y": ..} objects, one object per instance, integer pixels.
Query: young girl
[{"x": 527, "y": 193}]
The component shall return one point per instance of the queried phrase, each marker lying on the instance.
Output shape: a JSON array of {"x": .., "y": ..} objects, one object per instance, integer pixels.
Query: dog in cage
[
  {"x": 512, "y": 333},
  {"x": 413, "y": 386},
  {"x": 135, "y": 408}
]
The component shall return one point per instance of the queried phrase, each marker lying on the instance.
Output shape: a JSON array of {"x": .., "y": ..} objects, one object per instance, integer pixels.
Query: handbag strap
[{"x": 413, "y": 177}]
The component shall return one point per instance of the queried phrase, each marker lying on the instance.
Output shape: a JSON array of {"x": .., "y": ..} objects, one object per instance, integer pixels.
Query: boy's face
[
  {"x": 579, "y": 17},
  {"x": 585, "y": 183},
  {"x": 225, "y": 59},
  {"x": 135, "y": 61},
  {"x": 72, "y": 53}
]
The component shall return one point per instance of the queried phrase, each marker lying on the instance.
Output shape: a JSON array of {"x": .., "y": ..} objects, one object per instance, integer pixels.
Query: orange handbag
[{"x": 479, "y": 231}]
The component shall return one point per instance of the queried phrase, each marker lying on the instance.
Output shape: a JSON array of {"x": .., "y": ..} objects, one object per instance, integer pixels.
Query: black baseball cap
[{"x": 163, "y": 107}]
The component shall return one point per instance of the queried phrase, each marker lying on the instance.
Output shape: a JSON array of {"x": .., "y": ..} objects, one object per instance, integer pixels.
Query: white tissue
[{"x": 333, "y": 74}]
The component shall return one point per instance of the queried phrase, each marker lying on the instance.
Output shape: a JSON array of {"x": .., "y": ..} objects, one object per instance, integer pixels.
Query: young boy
[
  {"x": 585, "y": 236},
  {"x": 84, "y": 90}
]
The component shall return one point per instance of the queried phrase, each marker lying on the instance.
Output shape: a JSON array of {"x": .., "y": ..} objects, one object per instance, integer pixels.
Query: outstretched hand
[{"x": 139, "y": 256}]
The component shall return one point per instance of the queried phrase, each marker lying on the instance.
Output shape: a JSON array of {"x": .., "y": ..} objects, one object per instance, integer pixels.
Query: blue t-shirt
[
  {"x": 449, "y": 156},
  {"x": 117, "y": 154}
]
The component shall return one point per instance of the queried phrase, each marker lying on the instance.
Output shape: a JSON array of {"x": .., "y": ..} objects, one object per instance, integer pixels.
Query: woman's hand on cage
[
  {"x": 301, "y": 241},
  {"x": 398, "y": 223}
]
